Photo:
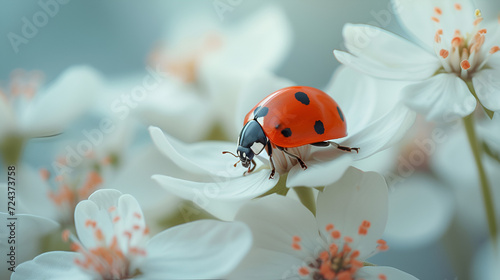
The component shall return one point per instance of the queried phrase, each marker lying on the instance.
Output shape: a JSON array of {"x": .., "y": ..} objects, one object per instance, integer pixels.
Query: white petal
[
  {"x": 486, "y": 262},
  {"x": 487, "y": 87},
  {"x": 62, "y": 102},
  {"x": 382, "y": 133},
  {"x": 268, "y": 25},
  {"x": 385, "y": 55},
  {"x": 179, "y": 109},
  {"x": 275, "y": 220},
  {"x": 373, "y": 272},
  {"x": 356, "y": 197},
  {"x": 200, "y": 159},
  {"x": 32, "y": 195},
  {"x": 420, "y": 210},
  {"x": 51, "y": 266},
  {"x": 96, "y": 208},
  {"x": 415, "y": 17},
  {"x": 29, "y": 231},
  {"x": 267, "y": 264},
  {"x": 203, "y": 249},
  {"x": 319, "y": 172},
  {"x": 444, "y": 97},
  {"x": 221, "y": 192}
]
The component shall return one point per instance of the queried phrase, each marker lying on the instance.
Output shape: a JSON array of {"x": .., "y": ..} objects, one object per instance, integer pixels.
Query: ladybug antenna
[{"x": 228, "y": 152}]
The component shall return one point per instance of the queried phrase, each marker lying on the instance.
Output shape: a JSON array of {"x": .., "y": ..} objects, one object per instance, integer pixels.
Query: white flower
[
  {"x": 206, "y": 70},
  {"x": 373, "y": 124},
  {"x": 26, "y": 232},
  {"x": 114, "y": 244},
  {"x": 455, "y": 48},
  {"x": 291, "y": 243},
  {"x": 27, "y": 113}
]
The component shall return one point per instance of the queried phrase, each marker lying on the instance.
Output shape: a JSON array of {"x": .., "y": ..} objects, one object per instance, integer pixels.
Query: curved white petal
[
  {"x": 203, "y": 249},
  {"x": 444, "y": 97},
  {"x": 65, "y": 100},
  {"x": 28, "y": 232},
  {"x": 267, "y": 264},
  {"x": 51, "y": 266},
  {"x": 382, "y": 133},
  {"x": 416, "y": 18},
  {"x": 96, "y": 208},
  {"x": 222, "y": 193},
  {"x": 486, "y": 263},
  {"x": 180, "y": 109},
  {"x": 268, "y": 25},
  {"x": 275, "y": 220},
  {"x": 420, "y": 210},
  {"x": 487, "y": 87},
  {"x": 385, "y": 55},
  {"x": 32, "y": 194},
  {"x": 201, "y": 159},
  {"x": 356, "y": 197},
  {"x": 319, "y": 172},
  {"x": 374, "y": 272}
]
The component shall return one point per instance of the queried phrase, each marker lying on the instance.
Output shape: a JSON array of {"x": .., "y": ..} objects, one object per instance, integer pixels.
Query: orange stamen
[
  {"x": 296, "y": 246},
  {"x": 335, "y": 234},
  {"x": 329, "y": 227},
  {"x": 382, "y": 277},
  {"x": 458, "y": 7},
  {"x": 45, "y": 174},
  {"x": 348, "y": 239},
  {"x": 438, "y": 11},
  {"x": 435, "y": 19},
  {"x": 65, "y": 235},
  {"x": 477, "y": 21},
  {"x": 465, "y": 64},
  {"x": 494, "y": 49},
  {"x": 444, "y": 53},
  {"x": 303, "y": 271}
]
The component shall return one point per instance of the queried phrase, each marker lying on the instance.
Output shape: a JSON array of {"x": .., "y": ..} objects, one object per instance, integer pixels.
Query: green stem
[
  {"x": 306, "y": 196},
  {"x": 477, "y": 151},
  {"x": 11, "y": 149}
]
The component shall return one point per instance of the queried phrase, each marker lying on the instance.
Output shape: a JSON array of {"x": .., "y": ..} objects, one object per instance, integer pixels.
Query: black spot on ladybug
[
  {"x": 340, "y": 113},
  {"x": 319, "y": 128},
  {"x": 302, "y": 97},
  {"x": 260, "y": 112},
  {"x": 286, "y": 132}
]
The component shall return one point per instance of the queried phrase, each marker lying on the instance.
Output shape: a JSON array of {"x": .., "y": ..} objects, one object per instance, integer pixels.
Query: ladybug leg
[
  {"x": 343, "y": 148},
  {"x": 250, "y": 168},
  {"x": 269, "y": 151},
  {"x": 301, "y": 162}
]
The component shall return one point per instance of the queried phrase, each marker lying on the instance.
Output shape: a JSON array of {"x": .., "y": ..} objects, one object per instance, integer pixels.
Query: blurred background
[{"x": 118, "y": 37}]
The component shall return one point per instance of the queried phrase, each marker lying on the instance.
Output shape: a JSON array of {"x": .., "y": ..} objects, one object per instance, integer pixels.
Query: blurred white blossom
[
  {"x": 291, "y": 243},
  {"x": 113, "y": 243},
  {"x": 454, "y": 49}
]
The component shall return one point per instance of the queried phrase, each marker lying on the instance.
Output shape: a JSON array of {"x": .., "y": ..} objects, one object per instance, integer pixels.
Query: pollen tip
[
  {"x": 435, "y": 19},
  {"x": 296, "y": 238},
  {"x": 438, "y": 10},
  {"x": 382, "y": 277},
  {"x": 348, "y": 239},
  {"x": 335, "y": 234},
  {"x": 477, "y": 13},
  {"x": 116, "y": 219},
  {"x": 465, "y": 64},
  {"x": 329, "y": 227},
  {"x": 65, "y": 235},
  {"x": 444, "y": 53},
  {"x": 303, "y": 271},
  {"x": 296, "y": 246},
  {"x": 458, "y": 7},
  {"x": 111, "y": 209},
  {"x": 137, "y": 215},
  {"x": 45, "y": 174},
  {"x": 494, "y": 49}
]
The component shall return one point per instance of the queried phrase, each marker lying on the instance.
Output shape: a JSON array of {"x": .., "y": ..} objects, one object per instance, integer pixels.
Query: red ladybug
[{"x": 287, "y": 118}]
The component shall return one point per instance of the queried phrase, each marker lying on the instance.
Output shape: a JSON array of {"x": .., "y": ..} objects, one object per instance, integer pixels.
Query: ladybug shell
[{"x": 299, "y": 115}]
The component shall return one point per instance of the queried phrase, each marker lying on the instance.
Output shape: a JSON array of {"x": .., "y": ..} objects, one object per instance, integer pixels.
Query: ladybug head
[{"x": 251, "y": 142}]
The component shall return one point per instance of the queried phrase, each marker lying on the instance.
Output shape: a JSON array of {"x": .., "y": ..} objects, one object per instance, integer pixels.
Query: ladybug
[{"x": 288, "y": 118}]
